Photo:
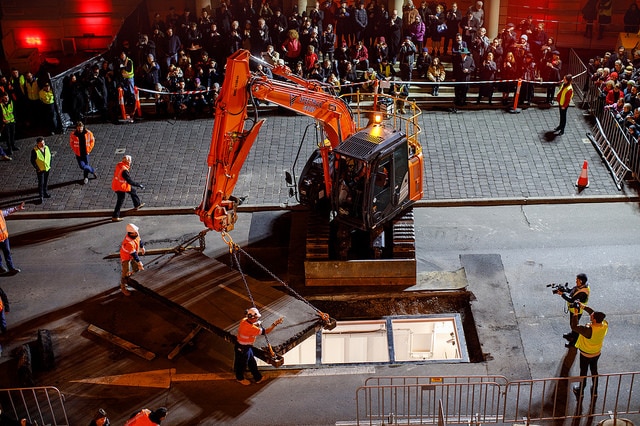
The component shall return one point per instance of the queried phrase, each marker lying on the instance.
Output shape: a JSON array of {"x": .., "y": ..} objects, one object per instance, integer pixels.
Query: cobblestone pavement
[{"x": 471, "y": 154}]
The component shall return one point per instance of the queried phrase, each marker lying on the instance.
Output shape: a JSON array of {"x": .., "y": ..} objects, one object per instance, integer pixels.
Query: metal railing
[
  {"x": 42, "y": 405},
  {"x": 608, "y": 132},
  {"x": 492, "y": 399},
  {"x": 417, "y": 400},
  {"x": 555, "y": 398}
]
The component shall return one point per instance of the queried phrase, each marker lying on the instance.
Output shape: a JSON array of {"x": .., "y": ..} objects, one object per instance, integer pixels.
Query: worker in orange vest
[
  {"x": 146, "y": 417},
  {"x": 123, "y": 184},
  {"x": 130, "y": 248},
  {"x": 82, "y": 142},
  {"x": 4, "y": 239},
  {"x": 249, "y": 328}
]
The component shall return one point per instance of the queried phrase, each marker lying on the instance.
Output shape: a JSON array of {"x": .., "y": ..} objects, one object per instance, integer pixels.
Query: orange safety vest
[
  {"x": 248, "y": 332},
  {"x": 74, "y": 142},
  {"x": 128, "y": 247},
  {"x": 140, "y": 419},
  {"x": 4, "y": 233},
  {"x": 118, "y": 183}
]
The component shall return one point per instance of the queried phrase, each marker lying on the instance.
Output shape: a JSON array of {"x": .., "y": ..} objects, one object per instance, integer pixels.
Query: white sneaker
[{"x": 85, "y": 181}]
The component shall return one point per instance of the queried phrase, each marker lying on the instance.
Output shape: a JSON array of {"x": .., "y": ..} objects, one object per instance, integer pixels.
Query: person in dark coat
[
  {"x": 487, "y": 73},
  {"x": 462, "y": 72},
  {"x": 394, "y": 35}
]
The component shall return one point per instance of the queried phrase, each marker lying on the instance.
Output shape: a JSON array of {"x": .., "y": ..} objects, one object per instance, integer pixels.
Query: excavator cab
[
  {"x": 371, "y": 178},
  {"x": 370, "y": 175}
]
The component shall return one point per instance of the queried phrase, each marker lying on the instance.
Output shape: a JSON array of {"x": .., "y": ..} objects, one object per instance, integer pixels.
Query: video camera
[{"x": 559, "y": 288}]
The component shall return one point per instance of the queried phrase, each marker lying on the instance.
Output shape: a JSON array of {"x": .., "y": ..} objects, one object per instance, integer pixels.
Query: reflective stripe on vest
[
  {"x": 43, "y": 159},
  {"x": 127, "y": 73},
  {"x": 89, "y": 142},
  {"x": 118, "y": 183},
  {"x": 248, "y": 332},
  {"x": 7, "y": 113},
  {"x": 593, "y": 346},
  {"x": 46, "y": 97}
]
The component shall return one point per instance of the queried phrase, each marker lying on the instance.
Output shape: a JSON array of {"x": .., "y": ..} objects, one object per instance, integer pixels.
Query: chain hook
[{"x": 228, "y": 241}]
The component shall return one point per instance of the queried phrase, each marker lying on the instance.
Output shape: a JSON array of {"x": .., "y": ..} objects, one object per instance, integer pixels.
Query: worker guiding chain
[
  {"x": 130, "y": 248},
  {"x": 250, "y": 328}
]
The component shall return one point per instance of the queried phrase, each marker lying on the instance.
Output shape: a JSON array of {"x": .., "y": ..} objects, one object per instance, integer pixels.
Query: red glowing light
[{"x": 33, "y": 41}]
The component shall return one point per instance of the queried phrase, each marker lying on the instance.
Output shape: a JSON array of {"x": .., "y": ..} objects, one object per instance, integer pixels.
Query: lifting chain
[{"x": 234, "y": 248}]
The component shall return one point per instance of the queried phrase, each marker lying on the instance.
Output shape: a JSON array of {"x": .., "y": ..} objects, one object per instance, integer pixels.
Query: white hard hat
[
  {"x": 126, "y": 159},
  {"x": 253, "y": 313},
  {"x": 132, "y": 228}
]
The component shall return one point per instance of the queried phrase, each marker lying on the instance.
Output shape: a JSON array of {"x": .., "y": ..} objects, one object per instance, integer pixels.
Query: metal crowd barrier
[
  {"x": 610, "y": 138},
  {"x": 44, "y": 405},
  {"x": 474, "y": 400}
]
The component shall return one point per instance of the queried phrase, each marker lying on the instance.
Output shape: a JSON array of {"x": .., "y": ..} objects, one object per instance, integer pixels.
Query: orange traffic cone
[{"x": 583, "y": 179}]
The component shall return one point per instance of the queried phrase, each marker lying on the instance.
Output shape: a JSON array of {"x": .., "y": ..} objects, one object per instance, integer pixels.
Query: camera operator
[{"x": 579, "y": 293}]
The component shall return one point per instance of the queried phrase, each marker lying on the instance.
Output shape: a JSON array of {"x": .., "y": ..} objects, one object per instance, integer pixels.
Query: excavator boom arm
[{"x": 231, "y": 142}]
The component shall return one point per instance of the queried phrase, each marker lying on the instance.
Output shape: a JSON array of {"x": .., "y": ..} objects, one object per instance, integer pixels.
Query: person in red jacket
[
  {"x": 249, "y": 328},
  {"x": 130, "y": 248},
  {"x": 122, "y": 184},
  {"x": 82, "y": 142},
  {"x": 146, "y": 417},
  {"x": 565, "y": 94}
]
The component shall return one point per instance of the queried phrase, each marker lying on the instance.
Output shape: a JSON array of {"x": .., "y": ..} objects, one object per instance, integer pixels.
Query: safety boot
[{"x": 124, "y": 289}]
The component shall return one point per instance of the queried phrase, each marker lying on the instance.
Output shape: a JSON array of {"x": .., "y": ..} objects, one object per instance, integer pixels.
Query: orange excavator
[{"x": 358, "y": 183}]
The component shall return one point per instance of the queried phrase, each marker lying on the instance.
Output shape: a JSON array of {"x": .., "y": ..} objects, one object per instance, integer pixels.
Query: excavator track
[
  {"x": 318, "y": 230},
  {"x": 320, "y": 270},
  {"x": 404, "y": 237}
]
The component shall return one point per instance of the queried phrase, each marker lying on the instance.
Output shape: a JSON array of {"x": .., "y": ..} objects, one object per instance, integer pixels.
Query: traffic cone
[{"x": 583, "y": 179}]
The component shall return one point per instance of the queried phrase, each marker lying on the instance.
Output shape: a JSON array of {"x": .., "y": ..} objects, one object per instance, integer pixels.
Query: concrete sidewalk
[{"x": 473, "y": 154}]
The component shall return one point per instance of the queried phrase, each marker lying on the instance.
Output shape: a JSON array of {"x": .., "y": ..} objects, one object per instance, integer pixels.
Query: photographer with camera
[
  {"x": 576, "y": 298},
  {"x": 589, "y": 343}
]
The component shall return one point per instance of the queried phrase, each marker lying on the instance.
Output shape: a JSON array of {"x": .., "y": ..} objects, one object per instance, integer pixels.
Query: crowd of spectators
[
  {"x": 344, "y": 44},
  {"x": 616, "y": 77}
]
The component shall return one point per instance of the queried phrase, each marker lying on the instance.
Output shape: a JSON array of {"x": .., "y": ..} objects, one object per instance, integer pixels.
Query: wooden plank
[
  {"x": 118, "y": 341},
  {"x": 215, "y": 297},
  {"x": 184, "y": 342}
]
